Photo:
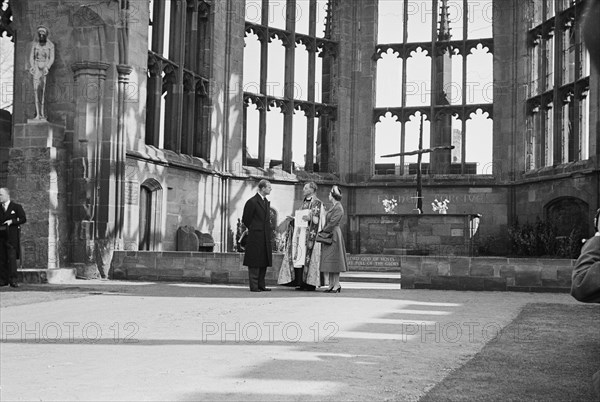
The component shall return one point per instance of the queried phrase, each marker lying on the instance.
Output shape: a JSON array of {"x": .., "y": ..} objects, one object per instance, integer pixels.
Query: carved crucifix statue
[{"x": 419, "y": 152}]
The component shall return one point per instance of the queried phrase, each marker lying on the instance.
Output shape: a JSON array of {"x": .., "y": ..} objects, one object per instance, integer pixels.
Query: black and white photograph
[{"x": 300, "y": 200}]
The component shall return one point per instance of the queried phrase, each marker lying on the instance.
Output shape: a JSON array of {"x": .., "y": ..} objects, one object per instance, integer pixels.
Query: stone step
[
  {"x": 372, "y": 277},
  {"x": 54, "y": 275}
]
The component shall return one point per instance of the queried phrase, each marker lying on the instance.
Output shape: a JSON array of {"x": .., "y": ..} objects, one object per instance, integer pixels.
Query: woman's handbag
[{"x": 324, "y": 238}]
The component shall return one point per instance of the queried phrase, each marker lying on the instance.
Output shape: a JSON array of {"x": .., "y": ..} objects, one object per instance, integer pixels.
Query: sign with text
[{"x": 375, "y": 261}]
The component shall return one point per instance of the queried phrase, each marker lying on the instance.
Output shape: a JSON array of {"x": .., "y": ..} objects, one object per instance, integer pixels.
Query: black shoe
[
  {"x": 329, "y": 290},
  {"x": 264, "y": 289},
  {"x": 338, "y": 290},
  {"x": 14, "y": 285},
  {"x": 255, "y": 290},
  {"x": 3, "y": 284}
]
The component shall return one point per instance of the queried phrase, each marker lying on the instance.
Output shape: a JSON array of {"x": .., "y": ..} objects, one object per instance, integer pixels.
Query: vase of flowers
[
  {"x": 389, "y": 206},
  {"x": 440, "y": 206}
]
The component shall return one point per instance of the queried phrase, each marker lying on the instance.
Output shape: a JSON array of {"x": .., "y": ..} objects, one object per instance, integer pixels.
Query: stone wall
[
  {"x": 448, "y": 273},
  {"x": 178, "y": 266},
  {"x": 486, "y": 273},
  {"x": 37, "y": 176},
  {"x": 543, "y": 187}
]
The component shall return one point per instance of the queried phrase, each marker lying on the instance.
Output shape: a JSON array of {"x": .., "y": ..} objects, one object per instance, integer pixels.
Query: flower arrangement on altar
[
  {"x": 389, "y": 206},
  {"x": 440, "y": 206}
]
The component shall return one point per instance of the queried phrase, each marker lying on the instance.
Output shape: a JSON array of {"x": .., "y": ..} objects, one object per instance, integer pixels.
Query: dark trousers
[
  {"x": 298, "y": 276},
  {"x": 8, "y": 262},
  {"x": 256, "y": 277}
]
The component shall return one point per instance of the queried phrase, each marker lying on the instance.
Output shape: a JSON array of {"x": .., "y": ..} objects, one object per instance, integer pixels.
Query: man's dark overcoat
[{"x": 256, "y": 218}]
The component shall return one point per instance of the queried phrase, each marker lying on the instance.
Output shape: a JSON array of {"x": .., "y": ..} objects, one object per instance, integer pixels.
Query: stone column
[
  {"x": 86, "y": 168},
  {"x": 442, "y": 81},
  {"x": 36, "y": 173},
  {"x": 120, "y": 154},
  {"x": 442, "y": 126}
]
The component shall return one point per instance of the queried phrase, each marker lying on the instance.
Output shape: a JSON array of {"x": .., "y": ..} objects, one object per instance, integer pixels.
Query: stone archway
[{"x": 568, "y": 213}]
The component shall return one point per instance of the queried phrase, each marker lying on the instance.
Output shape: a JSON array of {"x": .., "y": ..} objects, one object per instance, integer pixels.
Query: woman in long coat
[{"x": 333, "y": 256}]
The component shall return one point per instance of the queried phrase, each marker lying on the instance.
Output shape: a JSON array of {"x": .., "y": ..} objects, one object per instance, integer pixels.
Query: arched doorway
[
  {"x": 149, "y": 235},
  {"x": 568, "y": 214}
]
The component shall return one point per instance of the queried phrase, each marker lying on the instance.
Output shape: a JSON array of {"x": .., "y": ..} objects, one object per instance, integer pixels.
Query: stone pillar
[
  {"x": 120, "y": 157},
  {"x": 86, "y": 168},
  {"x": 442, "y": 82},
  {"x": 36, "y": 174},
  {"x": 442, "y": 128}
]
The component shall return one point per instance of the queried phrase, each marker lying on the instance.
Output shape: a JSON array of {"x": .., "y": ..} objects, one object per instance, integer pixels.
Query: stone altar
[{"x": 416, "y": 234}]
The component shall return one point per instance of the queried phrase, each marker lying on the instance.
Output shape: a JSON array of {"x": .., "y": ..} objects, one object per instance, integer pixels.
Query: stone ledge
[{"x": 54, "y": 275}]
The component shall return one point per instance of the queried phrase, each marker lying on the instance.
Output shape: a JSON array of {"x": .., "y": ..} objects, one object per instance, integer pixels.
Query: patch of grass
[{"x": 548, "y": 353}]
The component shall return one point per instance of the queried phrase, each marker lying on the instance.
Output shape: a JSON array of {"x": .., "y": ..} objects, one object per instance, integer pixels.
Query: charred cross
[{"x": 419, "y": 152}]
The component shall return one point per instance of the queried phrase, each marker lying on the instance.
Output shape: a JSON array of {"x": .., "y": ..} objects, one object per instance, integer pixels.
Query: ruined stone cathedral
[{"x": 162, "y": 115}]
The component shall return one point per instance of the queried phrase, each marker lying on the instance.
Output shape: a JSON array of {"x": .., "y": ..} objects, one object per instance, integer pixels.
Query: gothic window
[
  {"x": 178, "y": 35},
  {"x": 434, "y": 59},
  {"x": 559, "y": 57},
  {"x": 534, "y": 73},
  {"x": 548, "y": 58},
  {"x": 548, "y": 133},
  {"x": 287, "y": 104}
]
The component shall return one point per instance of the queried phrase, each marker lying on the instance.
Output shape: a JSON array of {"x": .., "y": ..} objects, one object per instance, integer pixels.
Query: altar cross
[{"x": 419, "y": 152}]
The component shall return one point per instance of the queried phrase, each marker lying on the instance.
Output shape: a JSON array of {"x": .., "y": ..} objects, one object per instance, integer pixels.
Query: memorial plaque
[
  {"x": 375, "y": 262},
  {"x": 132, "y": 193},
  {"x": 457, "y": 233}
]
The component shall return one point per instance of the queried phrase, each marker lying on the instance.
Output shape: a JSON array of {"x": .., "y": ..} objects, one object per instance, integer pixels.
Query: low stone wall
[
  {"x": 177, "y": 266},
  {"x": 486, "y": 273},
  {"x": 417, "y": 272}
]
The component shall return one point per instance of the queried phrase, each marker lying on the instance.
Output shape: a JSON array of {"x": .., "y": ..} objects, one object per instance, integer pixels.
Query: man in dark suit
[
  {"x": 585, "y": 283},
  {"x": 11, "y": 217},
  {"x": 256, "y": 218}
]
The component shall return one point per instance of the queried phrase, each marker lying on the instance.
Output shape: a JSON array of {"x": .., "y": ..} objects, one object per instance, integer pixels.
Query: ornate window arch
[
  {"x": 435, "y": 75},
  {"x": 288, "y": 114}
]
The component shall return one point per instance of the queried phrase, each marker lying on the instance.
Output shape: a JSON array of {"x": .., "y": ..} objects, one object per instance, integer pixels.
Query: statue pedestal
[
  {"x": 38, "y": 134},
  {"x": 37, "y": 172}
]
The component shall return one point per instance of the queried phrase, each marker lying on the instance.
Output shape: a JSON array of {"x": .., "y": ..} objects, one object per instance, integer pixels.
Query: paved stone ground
[{"x": 101, "y": 340}]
